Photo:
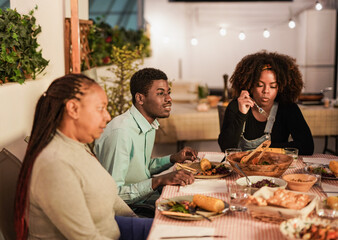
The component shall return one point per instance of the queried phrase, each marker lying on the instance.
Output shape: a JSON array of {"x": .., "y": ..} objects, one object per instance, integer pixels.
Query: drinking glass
[
  {"x": 293, "y": 152},
  {"x": 237, "y": 196},
  {"x": 323, "y": 210}
]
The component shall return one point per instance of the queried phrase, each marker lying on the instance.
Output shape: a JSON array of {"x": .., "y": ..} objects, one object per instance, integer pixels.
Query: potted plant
[
  {"x": 19, "y": 54},
  {"x": 125, "y": 63},
  {"x": 102, "y": 37}
]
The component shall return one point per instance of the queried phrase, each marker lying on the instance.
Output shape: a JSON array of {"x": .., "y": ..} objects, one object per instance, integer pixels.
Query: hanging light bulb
[
  {"x": 241, "y": 36},
  {"x": 318, "y": 6},
  {"x": 194, "y": 41},
  {"x": 292, "y": 24},
  {"x": 266, "y": 33},
  {"x": 222, "y": 31}
]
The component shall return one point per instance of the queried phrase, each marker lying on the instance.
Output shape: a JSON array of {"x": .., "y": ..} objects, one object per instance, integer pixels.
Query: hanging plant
[{"x": 19, "y": 54}]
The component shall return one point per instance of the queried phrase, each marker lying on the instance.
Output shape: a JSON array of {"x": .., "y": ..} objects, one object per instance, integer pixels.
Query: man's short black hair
[{"x": 143, "y": 79}]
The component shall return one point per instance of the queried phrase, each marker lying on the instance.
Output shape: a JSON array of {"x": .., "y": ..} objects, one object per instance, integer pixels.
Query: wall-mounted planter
[{"x": 20, "y": 57}]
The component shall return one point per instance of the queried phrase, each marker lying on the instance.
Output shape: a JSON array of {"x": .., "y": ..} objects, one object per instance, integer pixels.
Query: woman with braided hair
[
  {"x": 63, "y": 191},
  {"x": 265, "y": 87}
]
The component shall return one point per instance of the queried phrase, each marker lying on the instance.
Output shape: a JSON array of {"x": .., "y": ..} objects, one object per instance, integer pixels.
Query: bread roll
[
  {"x": 205, "y": 164},
  {"x": 208, "y": 203},
  {"x": 333, "y": 165},
  {"x": 332, "y": 202}
]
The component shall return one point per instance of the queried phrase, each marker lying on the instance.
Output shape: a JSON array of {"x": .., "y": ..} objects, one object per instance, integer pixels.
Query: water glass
[
  {"x": 323, "y": 210},
  {"x": 293, "y": 152},
  {"x": 237, "y": 197}
]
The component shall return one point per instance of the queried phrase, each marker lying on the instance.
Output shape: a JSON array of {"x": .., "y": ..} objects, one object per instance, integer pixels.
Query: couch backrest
[{"x": 9, "y": 172}]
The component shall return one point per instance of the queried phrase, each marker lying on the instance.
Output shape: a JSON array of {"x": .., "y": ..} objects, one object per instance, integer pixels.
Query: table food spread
[{"x": 272, "y": 212}]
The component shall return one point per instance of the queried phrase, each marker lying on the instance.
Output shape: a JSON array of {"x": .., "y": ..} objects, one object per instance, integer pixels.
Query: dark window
[
  {"x": 4, "y": 4},
  {"x": 122, "y": 13}
]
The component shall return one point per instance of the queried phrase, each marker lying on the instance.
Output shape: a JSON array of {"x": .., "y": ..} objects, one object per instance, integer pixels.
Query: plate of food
[
  {"x": 207, "y": 169},
  {"x": 321, "y": 169},
  {"x": 192, "y": 207},
  {"x": 309, "y": 228},
  {"x": 277, "y": 204}
]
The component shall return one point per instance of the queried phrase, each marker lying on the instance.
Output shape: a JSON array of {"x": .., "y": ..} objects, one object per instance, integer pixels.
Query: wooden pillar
[{"x": 74, "y": 23}]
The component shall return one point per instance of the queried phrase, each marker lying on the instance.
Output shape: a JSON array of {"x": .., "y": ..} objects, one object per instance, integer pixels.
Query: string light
[
  {"x": 194, "y": 41},
  {"x": 222, "y": 31},
  {"x": 318, "y": 6},
  {"x": 292, "y": 24},
  {"x": 241, "y": 36},
  {"x": 266, "y": 33}
]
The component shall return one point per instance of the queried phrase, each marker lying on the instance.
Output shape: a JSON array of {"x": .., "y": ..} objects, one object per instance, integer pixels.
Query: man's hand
[
  {"x": 187, "y": 153},
  {"x": 180, "y": 177},
  {"x": 244, "y": 102}
]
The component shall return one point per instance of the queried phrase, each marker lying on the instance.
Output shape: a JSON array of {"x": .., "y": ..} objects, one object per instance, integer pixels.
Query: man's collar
[{"x": 142, "y": 122}]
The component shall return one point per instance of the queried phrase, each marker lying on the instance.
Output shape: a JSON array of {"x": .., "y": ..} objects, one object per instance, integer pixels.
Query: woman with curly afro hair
[{"x": 265, "y": 88}]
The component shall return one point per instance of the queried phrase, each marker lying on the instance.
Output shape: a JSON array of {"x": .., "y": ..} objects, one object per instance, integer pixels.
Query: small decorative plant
[
  {"x": 125, "y": 63},
  {"x": 203, "y": 91},
  {"x": 102, "y": 37},
  {"x": 19, "y": 54}
]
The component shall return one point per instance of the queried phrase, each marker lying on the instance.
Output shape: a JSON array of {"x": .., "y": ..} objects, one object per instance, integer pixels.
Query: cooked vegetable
[
  {"x": 208, "y": 203},
  {"x": 332, "y": 202},
  {"x": 318, "y": 232},
  {"x": 205, "y": 164},
  {"x": 264, "y": 182},
  {"x": 215, "y": 170},
  {"x": 324, "y": 172}
]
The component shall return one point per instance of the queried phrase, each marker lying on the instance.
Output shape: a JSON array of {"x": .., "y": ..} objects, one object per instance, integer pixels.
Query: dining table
[{"x": 233, "y": 224}]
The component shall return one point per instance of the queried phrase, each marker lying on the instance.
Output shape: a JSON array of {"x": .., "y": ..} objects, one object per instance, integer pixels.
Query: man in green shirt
[{"x": 127, "y": 142}]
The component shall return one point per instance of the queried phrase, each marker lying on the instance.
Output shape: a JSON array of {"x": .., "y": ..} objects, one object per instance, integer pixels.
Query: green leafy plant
[
  {"x": 102, "y": 37},
  {"x": 19, "y": 54},
  {"x": 125, "y": 63},
  {"x": 203, "y": 91}
]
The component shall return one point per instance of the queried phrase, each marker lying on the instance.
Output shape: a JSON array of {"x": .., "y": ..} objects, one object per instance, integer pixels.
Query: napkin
[
  {"x": 330, "y": 190},
  {"x": 214, "y": 157},
  {"x": 205, "y": 186},
  {"x": 161, "y": 230},
  {"x": 318, "y": 160}
]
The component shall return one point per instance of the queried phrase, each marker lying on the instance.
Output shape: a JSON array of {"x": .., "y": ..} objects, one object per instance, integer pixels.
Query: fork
[{"x": 260, "y": 110}]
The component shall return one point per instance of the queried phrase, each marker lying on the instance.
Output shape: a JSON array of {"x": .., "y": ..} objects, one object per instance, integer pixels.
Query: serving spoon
[{"x": 248, "y": 182}]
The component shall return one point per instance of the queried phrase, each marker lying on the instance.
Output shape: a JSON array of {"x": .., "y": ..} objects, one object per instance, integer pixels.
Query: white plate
[
  {"x": 292, "y": 227},
  {"x": 242, "y": 181},
  {"x": 163, "y": 207}
]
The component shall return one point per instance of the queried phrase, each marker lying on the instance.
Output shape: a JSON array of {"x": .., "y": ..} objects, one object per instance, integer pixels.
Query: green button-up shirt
[{"x": 125, "y": 148}]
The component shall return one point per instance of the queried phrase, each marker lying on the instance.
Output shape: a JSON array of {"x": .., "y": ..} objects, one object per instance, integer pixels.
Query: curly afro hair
[{"x": 288, "y": 76}]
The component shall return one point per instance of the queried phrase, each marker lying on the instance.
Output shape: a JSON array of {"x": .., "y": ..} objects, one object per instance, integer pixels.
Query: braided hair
[
  {"x": 248, "y": 71},
  {"x": 47, "y": 118}
]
